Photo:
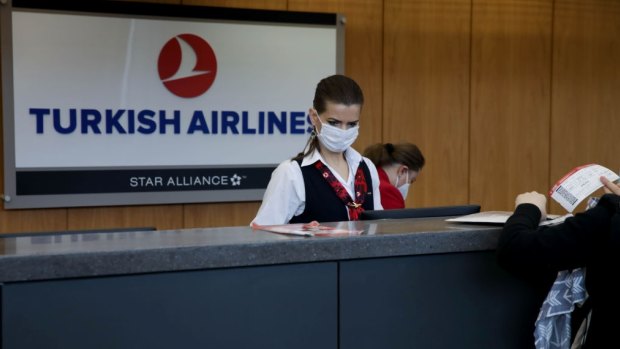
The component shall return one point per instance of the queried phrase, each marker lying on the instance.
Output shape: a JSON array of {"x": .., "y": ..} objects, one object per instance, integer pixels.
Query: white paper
[
  {"x": 578, "y": 184},
  {"x": 500, "y": 217},
  {"x": 308, "y": 230},
  {"x": 492, "y": 217}
]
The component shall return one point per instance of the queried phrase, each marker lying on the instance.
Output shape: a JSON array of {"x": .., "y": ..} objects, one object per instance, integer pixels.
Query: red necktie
[{"x": 354, "y": 206}]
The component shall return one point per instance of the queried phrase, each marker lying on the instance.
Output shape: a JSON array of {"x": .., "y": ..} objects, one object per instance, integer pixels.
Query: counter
[
  {"x": 46, "y": 257},
  {"x": 402, "y": 283}
]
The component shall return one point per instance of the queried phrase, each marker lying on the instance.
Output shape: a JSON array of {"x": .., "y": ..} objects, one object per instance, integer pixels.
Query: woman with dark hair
[
  {"x": 398, "y": 165},
  {"x": 328, "y": 181}
]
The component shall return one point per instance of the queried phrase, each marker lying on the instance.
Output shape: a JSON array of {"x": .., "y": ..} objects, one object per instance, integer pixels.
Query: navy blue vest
[{"x": 322, "y": 203}]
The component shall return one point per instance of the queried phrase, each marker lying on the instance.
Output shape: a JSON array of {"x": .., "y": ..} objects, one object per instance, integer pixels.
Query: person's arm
[
  {"x": 284, "y": 197},
  {"x": 525, "y": 247}
]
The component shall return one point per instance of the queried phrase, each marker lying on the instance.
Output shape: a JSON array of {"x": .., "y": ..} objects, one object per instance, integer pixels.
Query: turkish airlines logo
[{"x": 187, "y": 65}]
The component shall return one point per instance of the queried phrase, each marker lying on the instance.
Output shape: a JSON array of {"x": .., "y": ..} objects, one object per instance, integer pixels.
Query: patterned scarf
[
  {"x": 354, "y": 207},
  {"x": 553, "y": 326}
]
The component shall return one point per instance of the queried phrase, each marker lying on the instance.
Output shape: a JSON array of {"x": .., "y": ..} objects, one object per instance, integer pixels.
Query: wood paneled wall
[
  {"x": 585, "y": 102},
  {"x": 502, "y": 96},
  {"x": 510, "y": 96},
  {"x": 426, "y": 99}
]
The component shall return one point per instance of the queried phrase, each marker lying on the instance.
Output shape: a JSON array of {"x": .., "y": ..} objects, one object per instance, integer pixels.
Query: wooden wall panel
[
  {"x": 363, "y": 55},
  {"x": 586, "y": 87},
  {"x": 220, "y": 215},
  {"x": 426, "y": 99},
  {"x": 510, "y": 102},
  {"x": 158, "y": 216},
  {"x": 16, "y": 221}
]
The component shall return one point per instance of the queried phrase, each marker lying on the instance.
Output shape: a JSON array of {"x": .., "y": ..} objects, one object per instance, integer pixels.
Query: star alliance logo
[
  {"x": 189, "y": 181},
  {"x": 235, "y": 180}
]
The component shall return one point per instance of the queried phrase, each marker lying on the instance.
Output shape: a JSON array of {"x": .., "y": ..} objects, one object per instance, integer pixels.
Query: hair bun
[{"x": 389, "y": 147}]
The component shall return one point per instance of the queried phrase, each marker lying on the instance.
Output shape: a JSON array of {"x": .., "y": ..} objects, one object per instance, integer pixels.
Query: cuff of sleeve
[
  {"x": 530, "y": 211},
  {"x": 611, "y": 202}
]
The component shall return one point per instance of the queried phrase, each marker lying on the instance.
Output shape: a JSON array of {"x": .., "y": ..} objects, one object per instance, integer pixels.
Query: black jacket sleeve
[{"x": 525, "y": 247}]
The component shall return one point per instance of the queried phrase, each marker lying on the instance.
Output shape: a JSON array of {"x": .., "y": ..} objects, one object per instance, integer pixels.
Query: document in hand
[{"x": 579, "y": 183}]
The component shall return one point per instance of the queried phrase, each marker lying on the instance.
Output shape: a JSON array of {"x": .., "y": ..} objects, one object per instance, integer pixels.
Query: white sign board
[{"x": 115, "y": 103}]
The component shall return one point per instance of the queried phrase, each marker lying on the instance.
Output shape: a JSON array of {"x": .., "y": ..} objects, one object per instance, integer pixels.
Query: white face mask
[
  {"x": 336, "y": 139},
  {"x": 405, "y": 187}
]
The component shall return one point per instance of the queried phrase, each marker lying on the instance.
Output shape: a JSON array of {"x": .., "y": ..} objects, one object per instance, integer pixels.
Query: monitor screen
[{"x": 420, "y": 212}]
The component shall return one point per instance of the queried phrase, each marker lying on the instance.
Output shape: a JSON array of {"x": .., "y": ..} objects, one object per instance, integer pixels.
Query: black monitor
[{"x": 419, "y": 212}]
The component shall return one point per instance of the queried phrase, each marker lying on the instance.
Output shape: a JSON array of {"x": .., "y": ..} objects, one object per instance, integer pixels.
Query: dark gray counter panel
[
  {"x": 460, "y": 300},
  {"x": 289, "y": 306}
]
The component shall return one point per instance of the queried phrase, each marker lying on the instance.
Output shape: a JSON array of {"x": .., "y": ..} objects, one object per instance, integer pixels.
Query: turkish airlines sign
[{"x": 94, "y": 94}]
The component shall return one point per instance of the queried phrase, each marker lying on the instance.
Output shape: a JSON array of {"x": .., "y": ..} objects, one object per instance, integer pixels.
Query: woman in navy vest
[{"x": 328, "y": 181}]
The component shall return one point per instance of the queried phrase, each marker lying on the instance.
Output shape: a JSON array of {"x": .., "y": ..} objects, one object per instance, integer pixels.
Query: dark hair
[
  {"x": 337, "y": 89},
  {"x": 407, "y": 154}
]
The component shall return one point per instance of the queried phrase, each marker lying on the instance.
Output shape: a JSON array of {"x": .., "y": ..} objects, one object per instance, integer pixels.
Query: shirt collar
[{"x": 352, "y": 156}]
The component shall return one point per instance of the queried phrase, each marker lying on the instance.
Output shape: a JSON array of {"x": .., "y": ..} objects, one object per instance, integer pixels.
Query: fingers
[
  {"x": 609, "y": 186},
  {"x": 531, "y": 197}
]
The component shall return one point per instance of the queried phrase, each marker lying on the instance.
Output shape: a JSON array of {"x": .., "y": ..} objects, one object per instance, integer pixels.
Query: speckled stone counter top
[{"x": 45, "y": 257}]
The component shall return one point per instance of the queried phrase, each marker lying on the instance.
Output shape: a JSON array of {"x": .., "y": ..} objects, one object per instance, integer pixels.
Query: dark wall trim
[{"x": 187, "y": 11}]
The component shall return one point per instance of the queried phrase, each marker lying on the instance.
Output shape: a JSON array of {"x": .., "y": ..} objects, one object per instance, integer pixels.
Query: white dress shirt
[{"x": 285, "y": 196}]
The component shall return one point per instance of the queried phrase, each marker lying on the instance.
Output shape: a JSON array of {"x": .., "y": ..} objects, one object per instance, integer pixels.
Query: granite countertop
[{"x": 56, "y": 256}]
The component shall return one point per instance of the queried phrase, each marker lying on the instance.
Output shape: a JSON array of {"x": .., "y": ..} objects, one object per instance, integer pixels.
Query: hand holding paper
[
  {"x": 609, "y": 186},
  {"x": 580, "y": 182}
]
